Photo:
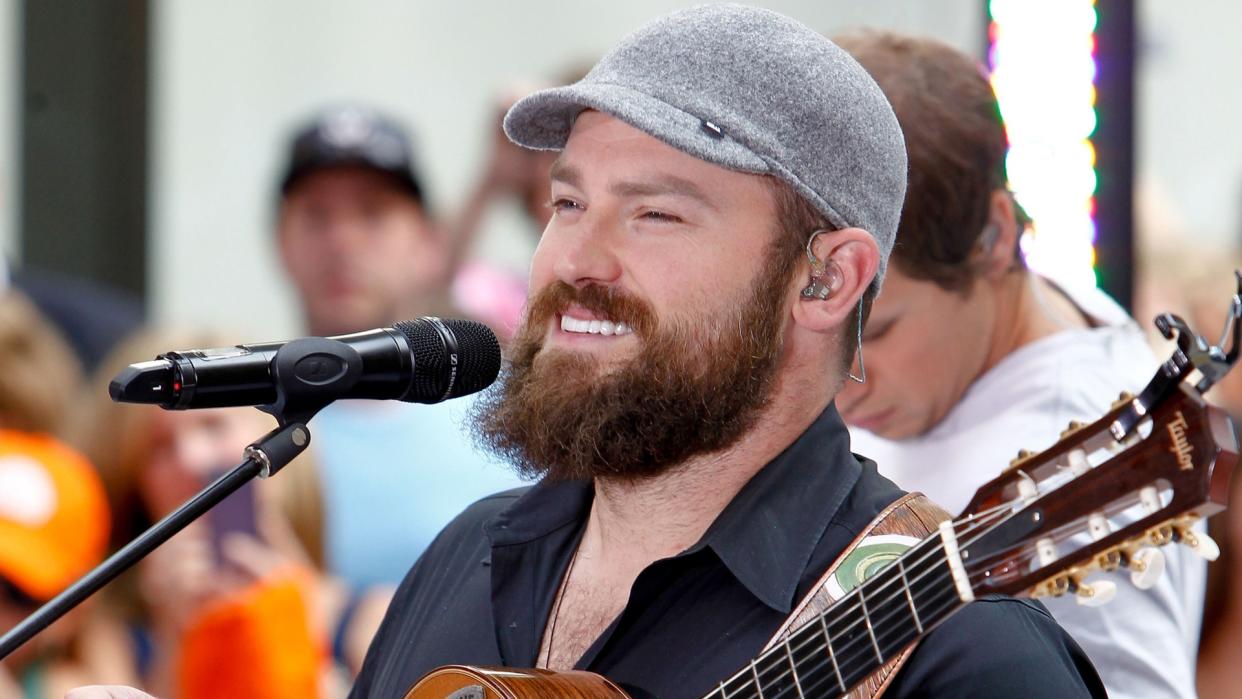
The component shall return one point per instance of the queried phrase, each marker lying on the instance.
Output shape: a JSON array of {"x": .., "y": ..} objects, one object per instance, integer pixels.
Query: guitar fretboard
[{"x": 866, "y": 628}]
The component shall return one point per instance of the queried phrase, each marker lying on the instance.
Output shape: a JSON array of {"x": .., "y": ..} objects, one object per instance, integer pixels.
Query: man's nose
[
  {"x": 588, "y": 255},
  {"x": 339, "y": 234}
]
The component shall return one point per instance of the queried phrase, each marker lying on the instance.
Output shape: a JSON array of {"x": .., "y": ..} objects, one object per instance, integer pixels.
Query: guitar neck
[
  {"x": 1009, "y": 533},
  {"x": 866, "y": 628}
]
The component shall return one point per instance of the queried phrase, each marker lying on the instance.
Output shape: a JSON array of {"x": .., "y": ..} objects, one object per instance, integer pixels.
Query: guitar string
[
  {"x": 943, "y": 599},
  {"x": 862, "y": 645},
  {"x": 982, "y": 519},
  {"x": 915, "y": 566},
  {"x": 819, "y": 677},
  {"x": 818, "y": 674},
  {"x": 977, "y": 570},
  {"x": 847, "y": 654},
  {"x": 947, "y": 594},
  {"x": 820, "y": 669},
  {"x": 947, "y": 598}
]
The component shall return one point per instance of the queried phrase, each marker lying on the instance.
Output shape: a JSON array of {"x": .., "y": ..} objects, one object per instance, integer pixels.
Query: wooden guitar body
[{"x": 463, "y": 682}]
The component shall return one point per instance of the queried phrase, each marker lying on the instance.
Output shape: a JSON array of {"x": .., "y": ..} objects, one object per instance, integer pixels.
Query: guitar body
[{"x": 463, "y": 682}]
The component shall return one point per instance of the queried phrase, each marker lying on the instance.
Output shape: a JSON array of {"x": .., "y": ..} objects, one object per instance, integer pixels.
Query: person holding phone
[{"x": 246, "y": 580}]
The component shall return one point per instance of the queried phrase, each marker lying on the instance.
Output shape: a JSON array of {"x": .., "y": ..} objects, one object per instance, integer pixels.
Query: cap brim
[{"x": 544, "y": 119}]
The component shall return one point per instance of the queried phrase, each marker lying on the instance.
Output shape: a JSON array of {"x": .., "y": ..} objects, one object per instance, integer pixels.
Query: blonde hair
[
  {"x": 39, "y": 374},
  {"x": 113, "y": 436}
]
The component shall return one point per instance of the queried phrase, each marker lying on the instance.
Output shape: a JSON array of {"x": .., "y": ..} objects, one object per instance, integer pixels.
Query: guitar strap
[{"x": 904, "y": 523}]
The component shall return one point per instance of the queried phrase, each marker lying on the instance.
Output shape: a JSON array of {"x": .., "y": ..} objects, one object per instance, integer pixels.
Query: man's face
[
  {"x": 357, "y": 248},
  {"x": 655, "y": 327},
  {"x": 923, "y": 346}
]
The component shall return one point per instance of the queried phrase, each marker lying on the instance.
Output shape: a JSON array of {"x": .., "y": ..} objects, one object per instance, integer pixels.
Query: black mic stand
[{"x": 305, "y": 371}]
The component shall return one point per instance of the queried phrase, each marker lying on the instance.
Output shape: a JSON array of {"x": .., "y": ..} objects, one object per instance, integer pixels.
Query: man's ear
[
  {"x": 999, "y": 240},
  {"x": 845, "y": 263}
]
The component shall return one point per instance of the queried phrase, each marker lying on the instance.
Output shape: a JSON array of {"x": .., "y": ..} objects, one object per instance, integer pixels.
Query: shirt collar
[
  {"x": 544, "y": 508},
  {"x": 765, "y": 536}
]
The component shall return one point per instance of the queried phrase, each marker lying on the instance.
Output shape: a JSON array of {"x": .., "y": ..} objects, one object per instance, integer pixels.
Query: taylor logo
[
  {"x": 867, "y": 559},
  {"x": 1181, "y": 446}
]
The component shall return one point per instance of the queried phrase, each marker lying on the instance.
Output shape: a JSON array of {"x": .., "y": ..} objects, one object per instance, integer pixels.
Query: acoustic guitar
[{"x": 1104, "y": 498}]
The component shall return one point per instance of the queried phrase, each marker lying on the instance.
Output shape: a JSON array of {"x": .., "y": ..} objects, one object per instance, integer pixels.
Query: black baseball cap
[{"x": 352, "y": 135}]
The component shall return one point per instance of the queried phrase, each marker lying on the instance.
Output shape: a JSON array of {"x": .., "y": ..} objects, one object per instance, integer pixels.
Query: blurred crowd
[
  {"x": 280, "y": 589},
  {"x": 297, "y": 570}
]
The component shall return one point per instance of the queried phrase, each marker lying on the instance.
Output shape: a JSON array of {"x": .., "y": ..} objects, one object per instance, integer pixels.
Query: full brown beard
[{"x": 695, "y": 387}]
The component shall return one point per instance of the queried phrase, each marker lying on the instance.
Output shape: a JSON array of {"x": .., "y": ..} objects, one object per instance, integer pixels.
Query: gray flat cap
[{"x": 750, "y": 90}]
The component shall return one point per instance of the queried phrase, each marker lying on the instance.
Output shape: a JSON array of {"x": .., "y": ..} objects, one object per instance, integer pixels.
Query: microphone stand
[
  {"x": 263, "y": 458},
  {"x": 304, "y": 372}
]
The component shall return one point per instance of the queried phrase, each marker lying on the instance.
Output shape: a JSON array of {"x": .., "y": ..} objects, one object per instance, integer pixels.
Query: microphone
[{"x": 426, "y": 360}]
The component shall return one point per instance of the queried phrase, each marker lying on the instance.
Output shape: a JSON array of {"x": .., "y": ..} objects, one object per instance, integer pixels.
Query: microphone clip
[{"x": 309, "y": 373}]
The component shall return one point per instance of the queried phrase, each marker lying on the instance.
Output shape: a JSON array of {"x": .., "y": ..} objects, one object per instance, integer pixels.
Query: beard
[{"x": 695, "y": 387}]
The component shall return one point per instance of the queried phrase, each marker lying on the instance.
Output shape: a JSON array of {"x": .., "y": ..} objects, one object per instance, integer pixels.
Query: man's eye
[
  {"x": 661, "y": 217},
  {"x": 564, "y": 205}
]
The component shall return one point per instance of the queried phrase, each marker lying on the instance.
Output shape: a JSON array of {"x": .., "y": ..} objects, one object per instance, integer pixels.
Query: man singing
[
  {"x": 725, "y": 202},
  {"x": 673, "y": 381}
]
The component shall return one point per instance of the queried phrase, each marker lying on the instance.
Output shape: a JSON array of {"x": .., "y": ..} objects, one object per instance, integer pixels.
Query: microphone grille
[
  {"x": 479, "y": 353},
  {"x": 478, "y": 358}
]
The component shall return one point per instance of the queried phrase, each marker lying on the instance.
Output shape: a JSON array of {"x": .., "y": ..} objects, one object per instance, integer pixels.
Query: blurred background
[
  {"x": 143, "y": 148},
  {"x": 141, "y": 142}
]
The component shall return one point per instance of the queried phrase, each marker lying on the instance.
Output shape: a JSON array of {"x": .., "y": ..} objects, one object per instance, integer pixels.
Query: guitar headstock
[{"x": 1108, "y": 494}]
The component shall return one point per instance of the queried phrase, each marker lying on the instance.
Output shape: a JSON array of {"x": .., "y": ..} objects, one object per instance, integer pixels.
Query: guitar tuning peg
[
  {"x": 1028, "y": 489},
  {"x": 1078, "y": 463},
  {"x": 1023, "y": 456},
  {"x": 1096, "y": 594},
  {"x": 1203, "y": 545},
  {"x": 1124, "y": 398},
  {"x": 1146, "y": 567},
  {"x": 1073, "y": 427},
  {"x": 1098, "y": 527},
  {"x": 1150, "y": 497},
  {"x": 1047, "y": 551}
]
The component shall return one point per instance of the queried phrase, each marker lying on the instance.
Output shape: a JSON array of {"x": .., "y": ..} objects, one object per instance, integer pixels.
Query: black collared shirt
[{"x": 482, "y": 592}]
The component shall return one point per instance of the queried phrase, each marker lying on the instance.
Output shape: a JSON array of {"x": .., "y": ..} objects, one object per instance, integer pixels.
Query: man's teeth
[{"x": 594, "y": 327}]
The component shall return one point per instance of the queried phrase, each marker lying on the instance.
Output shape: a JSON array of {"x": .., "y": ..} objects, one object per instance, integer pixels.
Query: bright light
[{"x": 1043, "y": 71}]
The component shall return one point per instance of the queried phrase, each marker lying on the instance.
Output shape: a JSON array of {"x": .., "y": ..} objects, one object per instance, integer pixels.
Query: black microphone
[{"x": 426, "y": 360}]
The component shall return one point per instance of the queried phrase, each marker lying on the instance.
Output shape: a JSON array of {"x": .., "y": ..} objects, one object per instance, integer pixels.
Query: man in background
[
  {"x": 970, "y": 357},
  {"x": 358, "y": 243}
]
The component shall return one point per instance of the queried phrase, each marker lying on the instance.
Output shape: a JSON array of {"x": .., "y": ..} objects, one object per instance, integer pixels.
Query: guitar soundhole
[{"x": 474, "y": 691}]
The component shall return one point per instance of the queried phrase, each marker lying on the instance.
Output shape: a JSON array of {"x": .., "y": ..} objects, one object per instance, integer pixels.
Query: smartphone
[{"x": 234, "y": 514}]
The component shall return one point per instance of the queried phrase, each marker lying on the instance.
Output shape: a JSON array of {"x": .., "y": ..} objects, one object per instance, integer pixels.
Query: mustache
[{"x": 611, "y": 302}]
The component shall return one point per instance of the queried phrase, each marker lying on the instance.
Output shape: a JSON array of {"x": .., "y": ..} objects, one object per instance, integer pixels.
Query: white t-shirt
[{"x": 1144, "y": 642}]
